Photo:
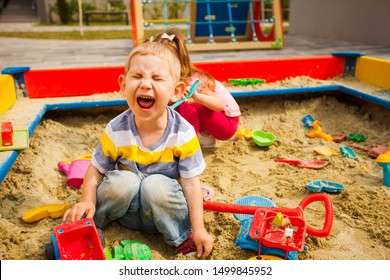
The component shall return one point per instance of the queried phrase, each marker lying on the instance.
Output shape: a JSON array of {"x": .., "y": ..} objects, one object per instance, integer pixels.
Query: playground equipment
[
  {"x": 215, "y": 24},
  {"x": 79, "y": 240}
]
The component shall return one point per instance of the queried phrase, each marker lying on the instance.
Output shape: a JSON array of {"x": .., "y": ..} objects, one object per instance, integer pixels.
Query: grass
[{"x": 71, "y": 35}]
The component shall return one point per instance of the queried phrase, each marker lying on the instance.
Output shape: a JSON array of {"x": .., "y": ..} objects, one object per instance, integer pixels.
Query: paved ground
[{"x": 48, "y": 54}]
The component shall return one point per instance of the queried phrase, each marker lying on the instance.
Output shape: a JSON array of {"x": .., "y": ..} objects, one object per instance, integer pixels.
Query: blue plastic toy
[
  {"x": 244, "y": 241},
  {"x": 307, "y": 121},
  {"x": 324, "y": 186},
  {"x": 348, "y": 152}
]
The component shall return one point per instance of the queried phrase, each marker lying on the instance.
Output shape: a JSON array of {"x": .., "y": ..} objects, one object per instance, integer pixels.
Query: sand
[{"x": 235, "y": 168}]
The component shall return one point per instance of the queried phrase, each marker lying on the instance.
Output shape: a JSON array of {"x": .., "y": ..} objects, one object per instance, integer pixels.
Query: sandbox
[{"x": 65, "y": 117}]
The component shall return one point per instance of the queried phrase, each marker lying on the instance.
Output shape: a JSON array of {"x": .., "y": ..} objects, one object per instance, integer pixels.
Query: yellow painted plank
[
  {"x": 374, "y": 71},
  {"x": 7, "y": 92}
]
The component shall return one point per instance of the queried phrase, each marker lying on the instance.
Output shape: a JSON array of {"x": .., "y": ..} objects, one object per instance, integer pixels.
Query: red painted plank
[
  {"x": 275, "y": 69},
  {"x": 87, "y": 81},
  {"x": 72, "y": 82}
]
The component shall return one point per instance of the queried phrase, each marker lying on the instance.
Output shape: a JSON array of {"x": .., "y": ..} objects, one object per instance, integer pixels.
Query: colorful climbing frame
[{"x": 214, "y": 24}]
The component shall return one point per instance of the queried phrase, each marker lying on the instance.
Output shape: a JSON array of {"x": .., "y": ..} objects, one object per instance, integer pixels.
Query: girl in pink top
[{"x": 212, "y": 110}]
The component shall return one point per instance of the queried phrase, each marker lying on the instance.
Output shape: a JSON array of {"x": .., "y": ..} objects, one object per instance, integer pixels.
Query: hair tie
[{"x": 169, "y": 37}]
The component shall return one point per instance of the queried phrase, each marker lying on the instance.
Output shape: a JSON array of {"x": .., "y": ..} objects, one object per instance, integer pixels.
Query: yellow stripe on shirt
[
  {"x": 134, "y": 153},
  {"x": 108, "y": 146}
]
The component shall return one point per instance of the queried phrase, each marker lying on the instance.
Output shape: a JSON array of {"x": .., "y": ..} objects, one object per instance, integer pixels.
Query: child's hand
[
  {"x": 197, "y": 96},
  {"x": 192, "y": 98},
  {"x": 83, "y": 209},
  {"x": 204, "y": 243}
]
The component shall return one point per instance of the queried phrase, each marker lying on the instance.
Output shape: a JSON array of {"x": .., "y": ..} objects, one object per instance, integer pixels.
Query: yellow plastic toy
[
  {"x": 280, "y": 221},
  {"x": 244, "y": 134},
  {"x": 325, "y": 151},
  {"x": 54, "y": 211},
  {"x": 317, "y": 132}
]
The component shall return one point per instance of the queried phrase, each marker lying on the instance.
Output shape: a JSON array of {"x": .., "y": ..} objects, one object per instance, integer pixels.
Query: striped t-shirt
[{"x": 176, "y": 154}]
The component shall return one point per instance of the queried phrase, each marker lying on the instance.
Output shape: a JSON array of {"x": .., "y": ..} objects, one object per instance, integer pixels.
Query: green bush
[
  {"x": 67, "y": 11},
  {"x": 118, "y": 6},
  {"x": 64, "y": 11}
]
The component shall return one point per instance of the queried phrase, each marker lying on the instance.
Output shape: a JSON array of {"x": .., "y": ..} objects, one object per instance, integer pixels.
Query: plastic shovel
[
  {"x": 302, "y": 163},
  {"x": 193, "y": 88}
]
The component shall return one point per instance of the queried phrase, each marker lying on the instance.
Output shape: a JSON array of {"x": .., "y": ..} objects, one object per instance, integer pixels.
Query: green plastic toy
[
  {"x": 356, "y": 137},
  {"x": 246, "y": 81},
  {"x": 130, "y": 250}
]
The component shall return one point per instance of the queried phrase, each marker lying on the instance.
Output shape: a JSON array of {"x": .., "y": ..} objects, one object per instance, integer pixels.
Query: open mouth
[{"x": 145, "y": 102}]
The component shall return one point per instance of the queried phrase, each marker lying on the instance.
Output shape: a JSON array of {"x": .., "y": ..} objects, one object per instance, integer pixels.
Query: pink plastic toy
[
  {"x": 209, "y": 192},
  {"x": 75, "y": 170}
]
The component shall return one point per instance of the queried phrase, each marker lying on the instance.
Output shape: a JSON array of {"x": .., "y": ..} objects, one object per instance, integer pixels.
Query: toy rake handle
[
  {"x": 298, "y": 211},
  {"x": 325, "y": 231}
]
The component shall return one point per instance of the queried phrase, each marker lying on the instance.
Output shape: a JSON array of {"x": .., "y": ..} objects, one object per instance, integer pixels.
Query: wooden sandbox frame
[{"x": 62, "y": 89}]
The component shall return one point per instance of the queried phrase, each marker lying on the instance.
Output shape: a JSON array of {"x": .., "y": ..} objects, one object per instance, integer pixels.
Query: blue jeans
[{"x": 154, "y": 204}]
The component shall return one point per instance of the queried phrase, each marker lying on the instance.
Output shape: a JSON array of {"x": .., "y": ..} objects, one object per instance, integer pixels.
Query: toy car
[{"x": 80, "y": 240}]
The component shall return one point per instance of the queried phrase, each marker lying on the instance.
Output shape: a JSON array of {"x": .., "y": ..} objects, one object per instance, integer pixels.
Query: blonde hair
[
  {"x": 178, "y": 44},
  {"x": 161, "y": 50}
]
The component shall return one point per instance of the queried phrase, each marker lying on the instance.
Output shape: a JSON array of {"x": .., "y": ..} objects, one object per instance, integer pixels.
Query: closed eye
[
  {"x": 158, "y": 78},
  {"x": 136, "y": 76}
]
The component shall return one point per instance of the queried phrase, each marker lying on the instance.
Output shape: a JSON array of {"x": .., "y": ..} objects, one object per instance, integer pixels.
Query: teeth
[{"x": 146, "y": 97}]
